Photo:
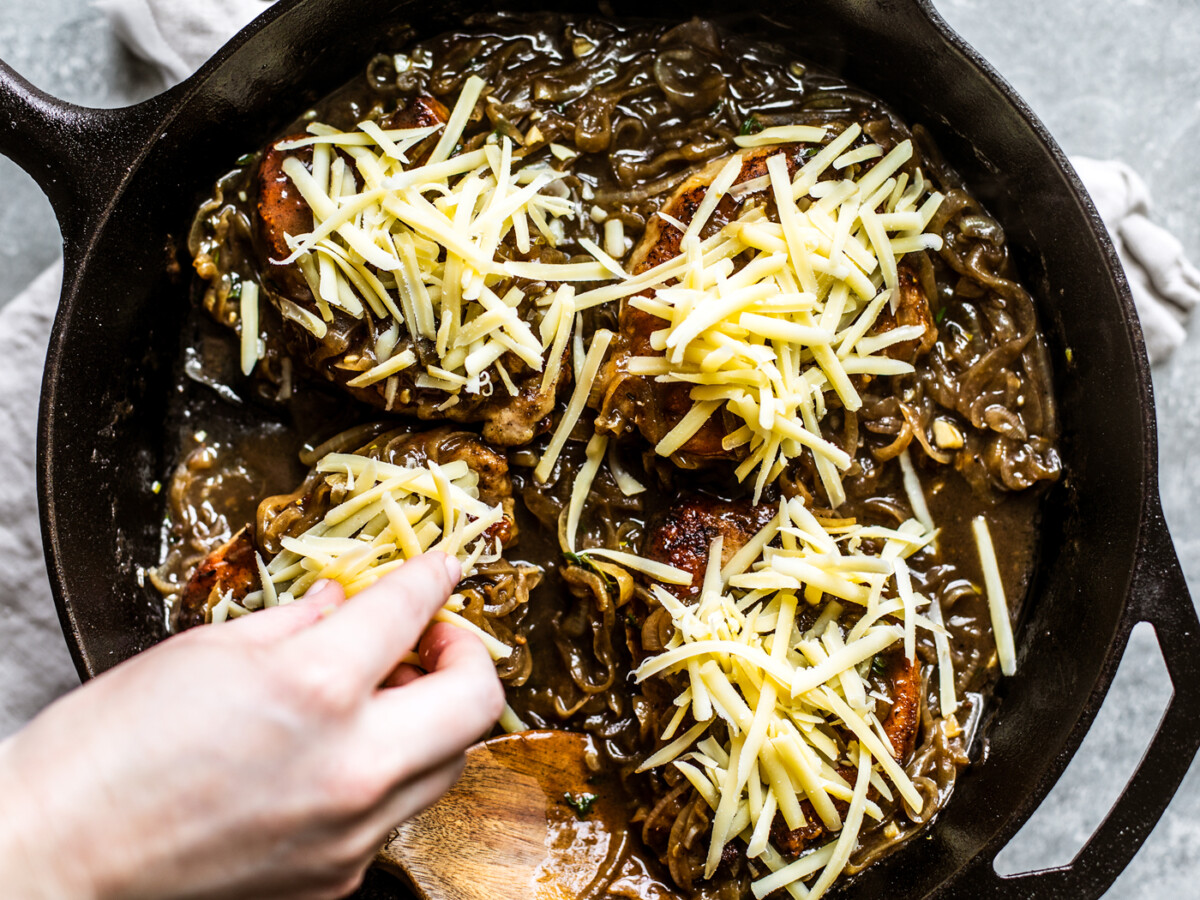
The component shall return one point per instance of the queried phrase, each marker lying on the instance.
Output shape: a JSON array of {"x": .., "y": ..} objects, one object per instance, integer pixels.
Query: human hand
[{"x": 265, "y": 757}]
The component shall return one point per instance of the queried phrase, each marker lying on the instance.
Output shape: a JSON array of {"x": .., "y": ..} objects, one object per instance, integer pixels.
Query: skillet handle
[
  {"x": 1159, "y": 596},
  {"x": 78, "y": 156}
]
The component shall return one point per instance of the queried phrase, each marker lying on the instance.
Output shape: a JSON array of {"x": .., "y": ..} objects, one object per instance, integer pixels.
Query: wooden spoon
[{"x": 528, "y": 820}]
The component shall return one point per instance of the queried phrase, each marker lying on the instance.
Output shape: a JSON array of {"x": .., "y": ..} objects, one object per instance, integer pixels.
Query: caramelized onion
[{"x": 690, "y": 80}]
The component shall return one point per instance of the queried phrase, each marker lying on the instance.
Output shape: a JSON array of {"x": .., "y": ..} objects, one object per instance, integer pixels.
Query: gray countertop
[{"x": 1111, "y": 79}]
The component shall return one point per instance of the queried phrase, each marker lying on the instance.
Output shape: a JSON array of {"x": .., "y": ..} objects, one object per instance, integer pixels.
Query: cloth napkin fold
[
  {"x": 1164, "y": 284},
  {"x": 34, "y": 664},
  {"x": 177, "y": 37}
]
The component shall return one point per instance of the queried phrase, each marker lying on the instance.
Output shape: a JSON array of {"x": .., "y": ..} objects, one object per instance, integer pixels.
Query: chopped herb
[
  {"x": 562, "y": 108},
  {"x": 246, "y": 158},
  {"x": 878, "y": 666},
  {"x": 631, "y": 619},
  {"x": 235, "y": 292},
  {"x": 586, "y": 562},
  {"x": 216, "y": 256},
  {"x": 941, "y": 314},
  {"x": 581, "y": 803},
  {"x": 1070, "y": 355},
  {"x": 752, "y": 126}
]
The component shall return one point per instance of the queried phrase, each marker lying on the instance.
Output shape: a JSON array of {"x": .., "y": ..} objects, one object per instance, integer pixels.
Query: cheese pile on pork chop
[
  {"x": 763, "y": 290},
  {"x": 415, "y": 262},
  {"x": 359, "y": 516},
  {"x": 797, "y": 687}
]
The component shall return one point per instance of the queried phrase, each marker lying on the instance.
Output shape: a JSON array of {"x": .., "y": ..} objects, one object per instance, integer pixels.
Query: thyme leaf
[{"x": 581, "y": 803}]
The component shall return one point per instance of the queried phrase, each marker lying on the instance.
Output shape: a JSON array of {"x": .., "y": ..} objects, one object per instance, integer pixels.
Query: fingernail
[
  {"x": 317, "y": 586},
  {"x": 453, "y": 568}
]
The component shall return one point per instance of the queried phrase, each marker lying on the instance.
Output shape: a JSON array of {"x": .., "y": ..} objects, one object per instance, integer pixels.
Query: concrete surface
[
  {"x": 1111, "y": 78},
  {"x": 66, "y": 48}
]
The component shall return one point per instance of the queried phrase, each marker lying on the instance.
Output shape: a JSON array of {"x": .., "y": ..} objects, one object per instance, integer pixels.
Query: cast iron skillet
[{"x": 122, "y": 180}]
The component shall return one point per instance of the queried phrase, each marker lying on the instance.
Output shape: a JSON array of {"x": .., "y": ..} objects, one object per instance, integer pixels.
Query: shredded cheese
[
  {"x": 780, "y": 134},
  {"x": 765, "y": 341},
  {"x": 997, "y": 604},
  {"x": 467, "y": 99},
  {"x": 947, "y": 699},
  {"x": 511, "y": 722},
  {"x": 583, "y": 387},
  {"x": 656, "y": 570},
  {"x": 912, "y": 487},
  {"x": 848, "y": 838},
  {"x": 724, "y": 180},
  {"x": 251, "y": 345},
  {"x": 417, "y": 245},
  {"x": 626, "y": 482},
  {"x": 614, "y": 238},
  {"x": 383, "y": 515},
  {"x": 397, "y": 363},
  {"x": 583, "y": 485},
  {"x": 774, "y": 708}
]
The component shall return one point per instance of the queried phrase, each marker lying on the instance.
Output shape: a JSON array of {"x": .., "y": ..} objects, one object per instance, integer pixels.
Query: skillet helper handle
[
  {"x": 1159, "y": 596},
  {"x": 78, "y": 156}
]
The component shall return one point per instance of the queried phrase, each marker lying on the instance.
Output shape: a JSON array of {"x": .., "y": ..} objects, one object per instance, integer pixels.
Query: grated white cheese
[
  {"x": 463, "y": 107},
  {"x": 418, "y": 246},
  {"x": 583, "y": 386},
  {"x": 626, "y": 482},
  {"x": 251, "y": 346},
  {"x": 720, "y": 185},
  {"x": 997, "y": 604},
  {"x": 656, "y": 570},
  {"x": 947, "y": 700},
  {"x": 614, "y": 238},
  {"x": 511, "y": 722},
  {"x": 848, "y": 838},
  {"x": 916, "y": 495},
  {"x": 397, "y": 363},
  {"x": 776, "y": 710},
  {"x": 763, "y": 342},
  {"x": 583, "y": 485},
  {"x": 782, "y": 134},
  {"x": 384, "y": 515}
]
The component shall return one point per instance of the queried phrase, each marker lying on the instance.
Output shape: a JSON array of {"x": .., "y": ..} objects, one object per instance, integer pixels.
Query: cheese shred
[
  {"x": 997, "y": 604},
  {"x": 250, "y": 342},
  {"x": 583, "y": 387}
]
